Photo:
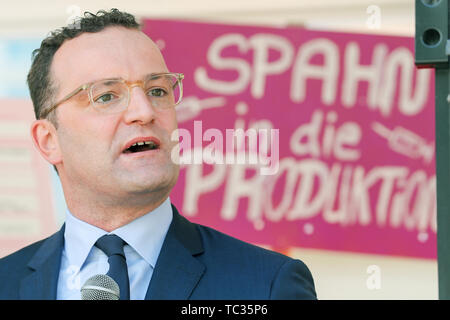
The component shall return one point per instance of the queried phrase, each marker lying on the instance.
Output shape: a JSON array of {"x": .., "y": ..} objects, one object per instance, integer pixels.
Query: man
[{"x": 105, "y": 106}]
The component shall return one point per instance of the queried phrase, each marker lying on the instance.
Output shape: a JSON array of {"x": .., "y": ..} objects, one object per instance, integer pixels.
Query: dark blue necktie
[{"x": 112, "y": 246}]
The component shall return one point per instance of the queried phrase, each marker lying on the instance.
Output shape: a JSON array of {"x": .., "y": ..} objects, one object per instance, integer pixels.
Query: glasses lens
[
  {"x": 109, "y": 95},
  {"x": 164, "y": 91}
]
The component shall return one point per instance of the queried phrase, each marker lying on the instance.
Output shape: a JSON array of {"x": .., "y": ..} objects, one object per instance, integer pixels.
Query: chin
[{"x": 151, "y": 183}]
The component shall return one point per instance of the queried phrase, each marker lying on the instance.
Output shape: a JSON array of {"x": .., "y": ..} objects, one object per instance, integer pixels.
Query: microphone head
[{"x": 100, "y": 287}]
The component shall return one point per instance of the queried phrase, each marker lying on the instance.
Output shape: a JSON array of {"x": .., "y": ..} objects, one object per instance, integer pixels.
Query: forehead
[{"x": 110, "y": 53}]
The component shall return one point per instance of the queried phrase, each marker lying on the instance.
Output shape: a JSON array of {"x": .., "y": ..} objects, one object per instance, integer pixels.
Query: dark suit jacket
[{"x": 195, "y": 262}]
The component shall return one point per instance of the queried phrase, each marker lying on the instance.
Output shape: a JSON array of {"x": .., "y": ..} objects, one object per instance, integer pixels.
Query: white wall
[{"x": 342, "y": 275}]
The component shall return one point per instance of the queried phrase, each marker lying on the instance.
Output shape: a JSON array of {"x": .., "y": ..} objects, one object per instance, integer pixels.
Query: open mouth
[{"x": 142, "y": 146}]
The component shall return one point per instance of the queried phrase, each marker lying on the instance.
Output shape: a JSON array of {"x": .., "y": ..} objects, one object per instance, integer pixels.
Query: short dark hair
[{"x": 39, "y": 80}]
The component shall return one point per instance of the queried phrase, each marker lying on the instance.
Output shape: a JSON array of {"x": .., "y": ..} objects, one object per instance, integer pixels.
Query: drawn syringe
[
  {"x": 192, "y": 106},
  {"x": 406, "y": 142}
]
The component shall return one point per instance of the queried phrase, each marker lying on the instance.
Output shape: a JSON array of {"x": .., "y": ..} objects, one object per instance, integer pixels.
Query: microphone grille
[{"x": 100, "y": 287}]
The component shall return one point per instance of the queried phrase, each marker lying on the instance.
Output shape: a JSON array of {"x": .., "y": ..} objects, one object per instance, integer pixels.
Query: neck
[{"x": 108, "y": 216}]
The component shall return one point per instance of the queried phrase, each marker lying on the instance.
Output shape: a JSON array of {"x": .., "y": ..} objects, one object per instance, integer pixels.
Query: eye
[
  {"x": 105, "y": 98},
  {"x": 157, "y": 92}
]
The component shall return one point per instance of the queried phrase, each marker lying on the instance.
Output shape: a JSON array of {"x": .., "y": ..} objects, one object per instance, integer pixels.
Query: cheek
[
  {"x": 86, "y": 137},
  {"x": 169, "y": 121},
  {"x": 76, "y": 146},
  {"x": 171, "y": 135}
]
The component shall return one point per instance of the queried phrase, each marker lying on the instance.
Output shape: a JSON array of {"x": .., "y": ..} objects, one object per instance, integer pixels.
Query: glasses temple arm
[{"x": 70, "y": 95}]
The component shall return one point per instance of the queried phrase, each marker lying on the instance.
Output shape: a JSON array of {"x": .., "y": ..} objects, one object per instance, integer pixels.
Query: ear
[{"x": 43, "y": 134}]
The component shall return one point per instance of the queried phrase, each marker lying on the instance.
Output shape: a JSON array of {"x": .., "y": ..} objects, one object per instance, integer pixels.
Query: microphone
[{"x": 100, "y": 287}]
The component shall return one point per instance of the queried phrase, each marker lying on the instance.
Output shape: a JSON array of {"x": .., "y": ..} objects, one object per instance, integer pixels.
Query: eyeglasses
[{"x": 164, "y": 90}]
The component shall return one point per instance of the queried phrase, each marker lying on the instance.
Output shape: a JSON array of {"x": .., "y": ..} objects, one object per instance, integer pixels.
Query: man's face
[{"x": 92, "y": 143}]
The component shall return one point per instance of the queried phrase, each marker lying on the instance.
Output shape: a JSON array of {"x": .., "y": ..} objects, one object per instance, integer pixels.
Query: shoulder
[
  {"x": 14, "y": 268},
  {"x": 287, "y": 278},
  {"x": 217, "y": 241},
  {"x": 19, "y": 258}
]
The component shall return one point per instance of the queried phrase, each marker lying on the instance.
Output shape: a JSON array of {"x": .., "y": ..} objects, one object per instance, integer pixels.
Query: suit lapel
[
  {"x": 177, "y": 271},
  {"x": 41, "y": 283}
]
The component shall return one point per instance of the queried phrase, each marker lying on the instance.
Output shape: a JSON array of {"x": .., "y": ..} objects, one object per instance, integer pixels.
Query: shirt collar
[{"x": 145, "y": 235}]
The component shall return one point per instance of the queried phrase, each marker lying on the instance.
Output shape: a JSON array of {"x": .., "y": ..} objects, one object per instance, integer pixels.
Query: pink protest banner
[
  {"x": 26, "y": 209},
  {"x": 350, "y": 151}
]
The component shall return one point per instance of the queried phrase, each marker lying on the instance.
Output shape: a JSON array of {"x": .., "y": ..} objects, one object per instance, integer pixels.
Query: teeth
[{"x": 151, "y": 143}]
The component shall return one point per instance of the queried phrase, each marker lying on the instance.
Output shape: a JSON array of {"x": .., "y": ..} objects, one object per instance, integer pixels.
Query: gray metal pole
[
  {"x": 432, "y": 51},
  {"x": 443, "y": 180}
]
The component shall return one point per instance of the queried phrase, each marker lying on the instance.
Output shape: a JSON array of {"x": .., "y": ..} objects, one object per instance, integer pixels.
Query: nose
[{"x": 140, "y": 109}]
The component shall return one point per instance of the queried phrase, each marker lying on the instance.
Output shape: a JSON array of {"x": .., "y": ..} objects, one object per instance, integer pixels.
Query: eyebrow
[
  {"x": 105, "y": 79},
  {"x": 154, "y": 75},
  {"x": 109, "y": 80}
]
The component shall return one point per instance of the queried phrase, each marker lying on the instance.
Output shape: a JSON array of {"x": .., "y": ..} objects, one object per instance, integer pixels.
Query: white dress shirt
[{"x": 81, "y": 259}]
